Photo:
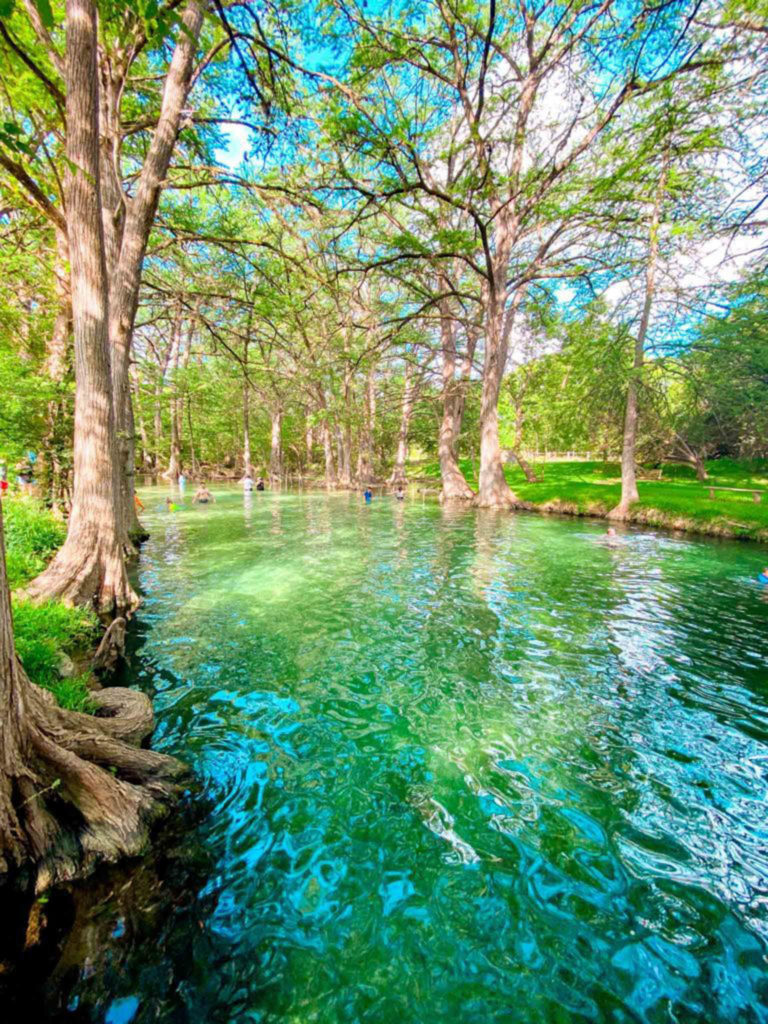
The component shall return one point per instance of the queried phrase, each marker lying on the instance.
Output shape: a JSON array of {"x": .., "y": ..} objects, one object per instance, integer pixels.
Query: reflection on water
[{"x": 463, "y": 766}]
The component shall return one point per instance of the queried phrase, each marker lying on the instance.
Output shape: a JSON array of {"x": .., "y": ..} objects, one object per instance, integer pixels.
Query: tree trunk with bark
[
  {"x": 629, "y": 492},
  {"x": 247, "y": 465},
  {"x": 453, "y": 482},
  {"x": 493, "y": 490},
  {"x": 276, "y": 449},
  {"x": 124, "y": 295},
  {"x": 517, "y": 451},
  {"x": 89, "y": 567},
  {"x": 57, "y": 366},
  {"x": 398, "y": 475},
  {"x": 174, "y": 463},
  {"x": 74, "y": 792},
  {"x": 330, "y": 472}
]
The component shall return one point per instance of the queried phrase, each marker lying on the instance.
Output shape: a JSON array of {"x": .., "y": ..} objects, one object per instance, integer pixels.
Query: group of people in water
[{"x": 203, "y": 495}]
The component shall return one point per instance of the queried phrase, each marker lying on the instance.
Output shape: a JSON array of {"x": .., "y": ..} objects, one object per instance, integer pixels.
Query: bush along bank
[{"x": 53, "y": 641}]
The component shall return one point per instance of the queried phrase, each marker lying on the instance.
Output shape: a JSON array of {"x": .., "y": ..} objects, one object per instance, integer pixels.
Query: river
[{"x": 454, "y": 766}]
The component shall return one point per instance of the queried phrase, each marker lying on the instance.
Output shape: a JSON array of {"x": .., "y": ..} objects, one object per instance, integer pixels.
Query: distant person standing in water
[
  {"x": 137, "y": 502},
  {"x": 203, "y": 496},
  {"x": 367, "y": 495},
  {"x": 182, "y": 481},
  {"x": 260, "y": 484},
  {"x": 247, "y": 483},
  {"x": 400, "y": 493}
]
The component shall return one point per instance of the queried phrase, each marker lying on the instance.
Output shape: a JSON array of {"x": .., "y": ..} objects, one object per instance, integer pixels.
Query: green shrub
[
  {"x": 32, "y": 535},
  {"x": 43, "y": 632}
]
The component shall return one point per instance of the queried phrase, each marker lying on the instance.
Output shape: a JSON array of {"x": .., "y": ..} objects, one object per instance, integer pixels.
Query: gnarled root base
[
  {"x": 86, "y": 572},
  {"x": 620, "y": 513},
  {"x": 498, "y": 498},
  {"x": 73, "y": 793}
]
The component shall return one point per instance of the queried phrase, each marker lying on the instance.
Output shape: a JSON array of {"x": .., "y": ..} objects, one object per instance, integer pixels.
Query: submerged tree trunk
[
  {"x": 89, "y": 566},
  {"x": 276, "y": 449},
  {"x": 398, "y": 475},
  {"x": 73, "y": 794},
  {"x": 453, "y": 482},
  {"x": 629, "y": 492}
]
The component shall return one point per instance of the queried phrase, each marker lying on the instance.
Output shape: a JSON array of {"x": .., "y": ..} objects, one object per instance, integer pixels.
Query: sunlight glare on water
[{"x": 463, "y": 766}]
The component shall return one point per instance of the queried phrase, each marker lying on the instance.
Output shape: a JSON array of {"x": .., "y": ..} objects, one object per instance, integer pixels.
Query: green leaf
[{"x": 45, "y": 12}]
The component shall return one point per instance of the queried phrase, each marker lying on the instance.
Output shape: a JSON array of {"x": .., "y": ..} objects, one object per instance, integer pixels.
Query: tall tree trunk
[
  {"x": 157, "y": 422},
  {"x": 89, "y": 566},
  {"x": 629, "y": 492},
  {"x": 57, "y": 367},
  {"x": 247, "y": 466},
  {"x": 517, "y": 451},
  {"x": 126, "y": 280},
  {"x": 406, "y": 409},
  {"x": 146, "y": 460},
  {"x": 309, "y": 438},
  {"x": 330, "y": 474},
  {"x": 454, "y": 484},
  {"x": 174, "y": 463},
  {"x": 493, "y": 490},
  {"x": 276, "y": 448}
]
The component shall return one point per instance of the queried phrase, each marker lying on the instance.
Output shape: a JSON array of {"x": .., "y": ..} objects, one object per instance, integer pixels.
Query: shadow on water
[{"x": 453, "y": 766}]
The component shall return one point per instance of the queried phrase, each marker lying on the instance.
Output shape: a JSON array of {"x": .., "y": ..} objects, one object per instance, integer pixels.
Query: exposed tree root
[{"x": 73, "y": 792}]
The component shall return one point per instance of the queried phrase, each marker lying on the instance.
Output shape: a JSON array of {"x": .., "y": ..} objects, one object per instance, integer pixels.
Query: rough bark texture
[
  {"x": 89, "y": 566},
  {"x": 398, "y": 475},
  {"x": 629, "y": 492},
  {"x": 57, "y": 366},
  {"x": 330, "y": 472},
  {"x": 276, "y": 449},
  {"x": 493, "y": 490},
  {"x": 247, "y": 465},
  {"x": 124, "y": 295},
  {"x": 73, "y": 792},
  {"x": 453, "y": 482},
  {"x": 174, "y": 463}
]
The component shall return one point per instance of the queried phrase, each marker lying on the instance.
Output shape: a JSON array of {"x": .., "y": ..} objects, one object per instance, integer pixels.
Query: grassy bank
[
  {"x": 47, "y": 635},
  {"x": 676, "y": 501}
]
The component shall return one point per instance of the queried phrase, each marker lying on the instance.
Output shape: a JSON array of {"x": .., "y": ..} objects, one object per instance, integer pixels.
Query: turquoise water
[{"x": 463, "y": 766}]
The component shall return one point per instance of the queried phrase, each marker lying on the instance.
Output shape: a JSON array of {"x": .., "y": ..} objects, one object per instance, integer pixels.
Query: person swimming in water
[
  {"x": 762, "y": 576},
  {"x": 203, "y": 496},
  {"x": 170, "y": 505}
]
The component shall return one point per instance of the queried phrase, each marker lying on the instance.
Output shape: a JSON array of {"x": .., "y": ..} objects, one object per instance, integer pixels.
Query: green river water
[{"x": 459, "y": 766}]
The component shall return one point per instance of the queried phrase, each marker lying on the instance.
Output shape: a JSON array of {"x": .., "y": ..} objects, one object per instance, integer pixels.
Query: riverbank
[{"x": 670, "y": 497}]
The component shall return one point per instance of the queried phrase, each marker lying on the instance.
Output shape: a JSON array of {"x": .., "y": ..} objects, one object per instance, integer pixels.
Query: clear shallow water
[{"x": 463, "y": 766}]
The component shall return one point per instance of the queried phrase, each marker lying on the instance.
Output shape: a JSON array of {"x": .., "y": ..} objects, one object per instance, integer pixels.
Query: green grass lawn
[
  {"x": 678, "y": 500},
  {"x": 44, "y": 632}
]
